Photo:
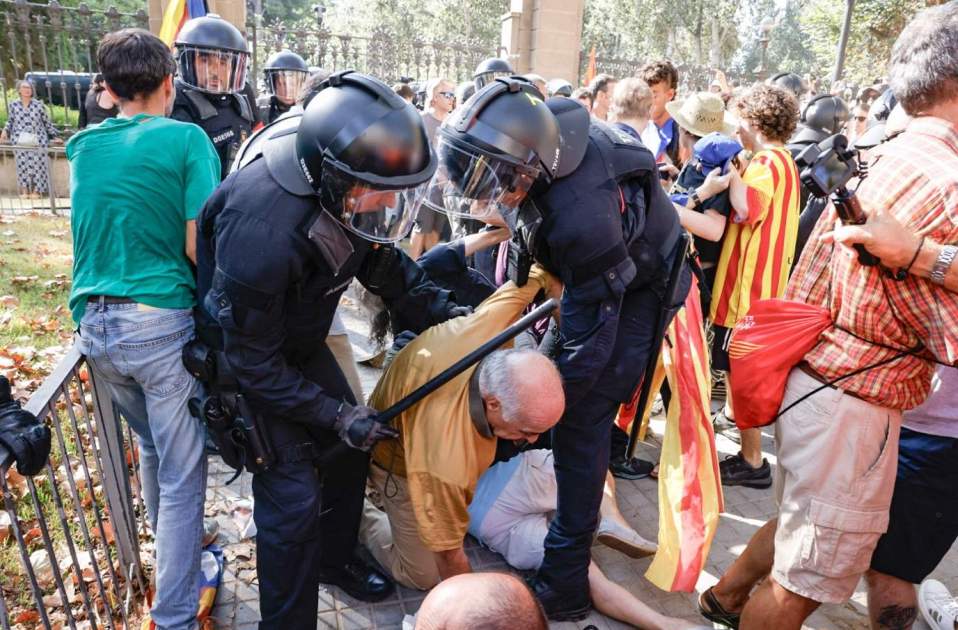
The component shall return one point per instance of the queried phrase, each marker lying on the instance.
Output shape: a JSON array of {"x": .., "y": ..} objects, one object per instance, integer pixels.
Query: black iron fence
[
  {"x": 69, "y": 543},
  {"x": 55, "y": 46},
  {"x": 381, "y": 53},
  {"x": 692, "y": 77},
  {"x": 34, "y": 179}
]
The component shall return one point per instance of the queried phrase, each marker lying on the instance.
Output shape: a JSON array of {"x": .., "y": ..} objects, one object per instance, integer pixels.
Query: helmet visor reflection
[
  {"x": 212, "y": 71},
  {"x": 381, "y": 215},
  {"x": 285, "y": 85},
  {"x": 475, "y": 186}
]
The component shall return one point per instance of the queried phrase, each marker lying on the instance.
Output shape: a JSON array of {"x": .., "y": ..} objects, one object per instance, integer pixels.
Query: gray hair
[
  {"x": 496, "y": 379},
  {"x": 924, "y": 61},
  {"x": 631, "y": 98},
  {"x": 27, "y": 82}
]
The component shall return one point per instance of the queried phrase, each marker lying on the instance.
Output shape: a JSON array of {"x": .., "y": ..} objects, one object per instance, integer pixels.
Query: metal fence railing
[
  {"x": 381, "y": 53},
  {"x": 692, "y": 77},
  {"x": 34, "y": 179},
  {"x": 72, "y": 552},
  {"x": 56, "y": 45}
]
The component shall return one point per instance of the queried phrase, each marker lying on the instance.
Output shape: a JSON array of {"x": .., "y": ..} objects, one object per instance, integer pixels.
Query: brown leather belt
[
  {"x": 109, "y": 299},
  {"x": 805, "y": 367}
]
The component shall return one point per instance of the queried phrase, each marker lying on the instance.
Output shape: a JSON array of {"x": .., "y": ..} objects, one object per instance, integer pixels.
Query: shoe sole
[
  {"x": 624, "y": 546},
  {"x": 761, "y": 485}
]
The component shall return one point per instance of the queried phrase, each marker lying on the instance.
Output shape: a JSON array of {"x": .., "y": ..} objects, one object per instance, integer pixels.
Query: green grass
[{"x": 35, "y": 246}]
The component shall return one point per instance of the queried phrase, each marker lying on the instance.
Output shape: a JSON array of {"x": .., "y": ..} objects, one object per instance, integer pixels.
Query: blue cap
[{"x": 714, "y": 151}]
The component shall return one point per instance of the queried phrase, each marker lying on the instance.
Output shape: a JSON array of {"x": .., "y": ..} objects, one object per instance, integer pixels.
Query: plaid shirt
[{"x": 916, "y": 175}]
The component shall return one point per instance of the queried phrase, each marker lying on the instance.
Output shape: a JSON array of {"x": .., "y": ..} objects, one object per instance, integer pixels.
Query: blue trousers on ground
[
  {"x": 306, "y": 519},
  {"x": 136, "y": 350},
  {"x": 581, "y": 442}
]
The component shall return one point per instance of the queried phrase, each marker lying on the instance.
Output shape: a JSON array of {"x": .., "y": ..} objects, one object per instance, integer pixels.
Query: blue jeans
[{"x": 135, "y": 350}]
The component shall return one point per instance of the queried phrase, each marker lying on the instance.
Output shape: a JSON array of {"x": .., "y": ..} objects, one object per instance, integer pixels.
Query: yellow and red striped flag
[{"x": 690, "y": 488}]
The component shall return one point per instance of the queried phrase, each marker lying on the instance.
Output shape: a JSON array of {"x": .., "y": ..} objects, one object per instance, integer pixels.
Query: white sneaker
[
  {"x": 625, "y": 539},
  {"x": 937, "y": 606}
]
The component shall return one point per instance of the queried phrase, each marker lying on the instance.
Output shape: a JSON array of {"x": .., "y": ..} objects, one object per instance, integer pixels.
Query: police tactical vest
[
  {"x": 227, "y": 120},
  {"x": 618, "y": 177}
]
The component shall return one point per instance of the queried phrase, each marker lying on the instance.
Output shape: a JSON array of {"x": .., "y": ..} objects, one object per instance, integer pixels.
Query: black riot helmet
[
  {"x": 491, "y": 150},
  {"x": 559, "y": 87},
  {"x": 211, "y": 55},
  {"x": 489, "y": 70},
  {"x": 791, "y": 82},
  {"x": 824, "y": 116},
  {"x": 284, "y": 75},
  {"x": 362, "y": 149}
]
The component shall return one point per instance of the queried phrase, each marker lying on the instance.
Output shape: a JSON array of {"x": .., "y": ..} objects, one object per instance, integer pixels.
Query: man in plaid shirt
[{"x": 837, "y": 449}]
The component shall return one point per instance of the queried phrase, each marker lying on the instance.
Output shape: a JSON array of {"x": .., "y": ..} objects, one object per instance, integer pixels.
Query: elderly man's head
[
  {"x": 631, "y": 103},
  {"x": 522, "y": 393},
  {"x": 923, "y": 72},
  {"x": 492, "y": 601}
]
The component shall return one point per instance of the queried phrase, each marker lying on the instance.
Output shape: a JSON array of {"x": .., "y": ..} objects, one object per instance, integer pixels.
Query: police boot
[
  {"x": 358, "y": 578},
  {"x": 560, "y": 606}
]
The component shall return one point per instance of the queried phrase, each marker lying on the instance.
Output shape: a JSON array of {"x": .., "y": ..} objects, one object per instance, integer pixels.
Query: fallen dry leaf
[{"x": 9, "y": 300}]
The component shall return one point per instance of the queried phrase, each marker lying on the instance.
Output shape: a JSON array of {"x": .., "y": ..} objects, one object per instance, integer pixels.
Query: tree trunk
[
  {"x": 715, "y": 50},
  {"x": 843, "y": 41}
]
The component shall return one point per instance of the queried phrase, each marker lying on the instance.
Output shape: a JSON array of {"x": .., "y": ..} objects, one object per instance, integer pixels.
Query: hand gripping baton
[{"x": 386, "y": 415}]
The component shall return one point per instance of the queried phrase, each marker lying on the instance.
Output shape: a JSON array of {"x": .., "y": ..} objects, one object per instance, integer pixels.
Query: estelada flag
[
  {"x": 590, "y": 72},
  {"x": 176, "y": 14},
  {"x": 690, "y": 487}
]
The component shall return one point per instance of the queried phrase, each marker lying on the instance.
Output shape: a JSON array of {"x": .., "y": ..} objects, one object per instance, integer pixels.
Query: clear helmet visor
[
  {"x": 475, "y": 186},
  {"x": 381, "y": 215},
  {"x": 285, "y": 85},
  {"x": 484, "y": 79},
  {"x": 212, "y": 71}
]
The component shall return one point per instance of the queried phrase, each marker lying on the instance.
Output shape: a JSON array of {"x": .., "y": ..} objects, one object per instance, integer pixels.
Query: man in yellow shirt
[{"x": 427, "y": 476}]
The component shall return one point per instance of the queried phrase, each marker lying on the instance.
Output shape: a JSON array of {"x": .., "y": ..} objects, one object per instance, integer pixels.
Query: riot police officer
[
  {"x": 284, "y": 76},
  {"x": 277, "y": 244},
  {"x": 824, "y": 116},
  {"x": 790, "y": 82},
  {"x": 559, "y": 87},
  {"x": 211, "y": 87},
  {"x": 594, "y": 214},
  {"x": 489, "y": 70}
]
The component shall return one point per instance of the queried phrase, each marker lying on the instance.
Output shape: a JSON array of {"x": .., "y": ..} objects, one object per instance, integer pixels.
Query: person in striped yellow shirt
[{"x": 757, "y": 248}]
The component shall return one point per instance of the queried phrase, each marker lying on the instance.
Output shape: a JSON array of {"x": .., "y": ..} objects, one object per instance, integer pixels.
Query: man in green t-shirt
[{"x": 137, "y": 184}]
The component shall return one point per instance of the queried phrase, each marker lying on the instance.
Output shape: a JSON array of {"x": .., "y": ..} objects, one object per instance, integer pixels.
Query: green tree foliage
[{"x": 725, "y": 34}]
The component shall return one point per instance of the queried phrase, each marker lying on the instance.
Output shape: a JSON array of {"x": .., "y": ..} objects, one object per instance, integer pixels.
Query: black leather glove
[
  {"x": 21, "y": 433},
  {"x": 360, "y": 428}
]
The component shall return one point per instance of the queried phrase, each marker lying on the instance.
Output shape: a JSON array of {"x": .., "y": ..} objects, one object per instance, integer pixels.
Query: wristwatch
[
  {"x": 695, "y": 199},
  {"x": 943, "y": 262}
]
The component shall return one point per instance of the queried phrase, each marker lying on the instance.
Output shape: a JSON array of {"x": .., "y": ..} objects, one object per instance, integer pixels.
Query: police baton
[
  {"x": 386, "y": 415},
  {"x": 661, "y": 325}
]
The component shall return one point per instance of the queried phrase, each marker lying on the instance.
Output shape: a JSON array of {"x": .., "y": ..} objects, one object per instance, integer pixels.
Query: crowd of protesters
[{"x": 864, "y": 472}]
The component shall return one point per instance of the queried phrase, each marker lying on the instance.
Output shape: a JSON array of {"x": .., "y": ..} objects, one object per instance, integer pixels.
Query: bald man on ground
[
  {"x": 490, "y": 601},
  {"x": 428, "y": 475}
]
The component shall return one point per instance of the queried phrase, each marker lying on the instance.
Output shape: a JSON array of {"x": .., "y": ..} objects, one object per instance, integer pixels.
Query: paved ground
[{"x": 746, "y": 510}]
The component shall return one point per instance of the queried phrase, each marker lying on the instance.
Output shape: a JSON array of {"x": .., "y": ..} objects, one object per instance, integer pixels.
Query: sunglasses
[
  {"x": 861, "y": 118},
  {"x": 447, "y": 94}
]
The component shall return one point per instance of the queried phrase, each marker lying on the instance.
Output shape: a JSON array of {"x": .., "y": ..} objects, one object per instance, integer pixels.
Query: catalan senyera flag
[
  {"x": 590, "y": 72},
  {"x": 176, "y": 14},
  {"x": 690, "y": 488}
]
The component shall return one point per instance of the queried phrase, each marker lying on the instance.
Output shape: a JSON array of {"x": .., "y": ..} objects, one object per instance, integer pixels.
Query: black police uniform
[
  {"x": 271, "y": 269},
  {"x": 615, "y": 276},
  {"x": 269, "y": 108},
  {"x": 228, "y": 119}
]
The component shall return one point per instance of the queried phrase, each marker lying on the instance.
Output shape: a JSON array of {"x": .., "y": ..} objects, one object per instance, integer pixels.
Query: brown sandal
[{"x": 711, "y": 609}]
